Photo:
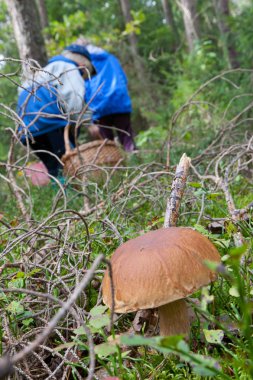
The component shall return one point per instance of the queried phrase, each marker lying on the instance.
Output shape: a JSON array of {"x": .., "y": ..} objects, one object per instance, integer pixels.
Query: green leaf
[
  {"x": 79, "y": 331},
  {"x": 233, "y": 291},
  {"x": 17, "y": 283},
  {"x": 171, "y": 341},
  {"x": 138, "y": 16},
  {"x": 199, "y": 192},
  {"x": 225, "y": 258},
  {"x": 203, "y": 371},
  {"x": 187, "y": 137},
  {"x": 138, "y": 340},
  {"x": 27, "y": 322},
  {"x": 237, "y": 252},
  {"x": 211, "y": 265},
  {"x": 212, "y": 196},
  {"x": 20, "y": 275},
  {"x": 3, "y": 297},
  {"x": 25, "y": 314},
  {"x": 98, "y": 310},
  {"x": 206, "y": 298},
  {"x": 99, "y": 322},
  {"x": 230, "y": 228},
  {"x": 223, "y": 243},
  {"x": 194, "y": 184},
  {"x": 206, "y": 367},
  {"x": 15, "y": 307},
  {"x": 33, "y": 272},
  {"x": 214, "y": 336},
  {"x": 105, "y": 349},
  {"x": 184, "y": 350},
  {"x": 201, "y": 229},
  {"x": 125, "y": 354},
  {"x": 183, "y": 346}
]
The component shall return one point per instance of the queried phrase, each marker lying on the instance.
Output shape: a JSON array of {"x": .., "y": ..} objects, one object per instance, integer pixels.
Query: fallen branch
[{"x": 7, "y": 364}]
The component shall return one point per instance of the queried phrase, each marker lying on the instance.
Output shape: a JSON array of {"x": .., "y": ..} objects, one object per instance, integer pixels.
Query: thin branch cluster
[{"x": 51, "y": 269}]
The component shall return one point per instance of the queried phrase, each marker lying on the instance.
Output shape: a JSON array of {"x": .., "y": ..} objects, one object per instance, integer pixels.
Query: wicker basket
[{"x": 83, "y": 162}]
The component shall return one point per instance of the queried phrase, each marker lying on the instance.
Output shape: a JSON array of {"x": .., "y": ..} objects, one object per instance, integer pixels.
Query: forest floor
[{"x": 55, "y": 242}]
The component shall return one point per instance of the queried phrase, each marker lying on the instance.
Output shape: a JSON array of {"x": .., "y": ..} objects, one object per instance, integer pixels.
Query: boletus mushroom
[{"x": 158, "y": 270}]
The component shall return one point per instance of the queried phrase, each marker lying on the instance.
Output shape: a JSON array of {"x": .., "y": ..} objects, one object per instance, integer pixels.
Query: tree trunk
[
  {"x": 27, "y": 31},
  {"x": 188, "y": 8},
  {"x": 222, "y": 13},
  {"x": 168, "y": 14},
  {"x": 42, "y": 13},
  {"x": 126, "y": 10}
]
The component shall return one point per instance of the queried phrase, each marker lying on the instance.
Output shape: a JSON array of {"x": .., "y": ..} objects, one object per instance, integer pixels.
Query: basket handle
[{"x": 66, "y": 139}]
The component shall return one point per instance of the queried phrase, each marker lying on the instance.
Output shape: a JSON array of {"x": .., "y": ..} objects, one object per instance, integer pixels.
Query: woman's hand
[{"x": 94, "y": 132}]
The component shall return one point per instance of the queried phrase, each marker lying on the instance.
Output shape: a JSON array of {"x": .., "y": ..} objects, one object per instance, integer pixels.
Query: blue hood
[{"x": 112, "y": 97}]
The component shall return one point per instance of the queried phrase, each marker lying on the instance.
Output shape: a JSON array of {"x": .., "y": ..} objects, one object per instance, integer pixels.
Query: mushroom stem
[{"x": 173, "y": 318}]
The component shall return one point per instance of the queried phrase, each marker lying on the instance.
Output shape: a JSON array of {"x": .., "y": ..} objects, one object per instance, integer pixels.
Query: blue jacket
[
  {"x": 46, "y": 99},
  {"x": 113, "y": 96}
]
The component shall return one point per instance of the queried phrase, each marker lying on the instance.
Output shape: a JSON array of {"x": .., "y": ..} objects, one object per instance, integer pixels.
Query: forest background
[
  {"x": 167, "y": 49},
  {"x": 189, "y": 65}
]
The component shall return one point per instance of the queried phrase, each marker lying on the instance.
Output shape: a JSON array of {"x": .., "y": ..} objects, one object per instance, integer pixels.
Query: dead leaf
[
  {"x": 216, "y": 227},
  {"x": 147, "y": 319}
]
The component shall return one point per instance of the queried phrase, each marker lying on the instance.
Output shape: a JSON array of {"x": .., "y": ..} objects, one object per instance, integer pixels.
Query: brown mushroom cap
[{"x": 159, "y": 267}]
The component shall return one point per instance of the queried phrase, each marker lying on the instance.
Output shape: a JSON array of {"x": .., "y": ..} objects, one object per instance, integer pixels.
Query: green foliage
[
  {"x": 65, "y": 31},
  {"x": 154, "y": 136},
  {"x": 134, "y": 25}
]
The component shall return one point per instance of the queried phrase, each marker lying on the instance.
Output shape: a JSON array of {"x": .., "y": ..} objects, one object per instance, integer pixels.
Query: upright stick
[
  {"x": 177, "y": 191},
  {"x": 170, "y": 220}
]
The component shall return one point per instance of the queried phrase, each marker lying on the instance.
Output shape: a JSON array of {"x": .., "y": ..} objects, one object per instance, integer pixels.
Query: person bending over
[
  {"x": 50, "y": 100},
  {"x": 107, "y": 94}
]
